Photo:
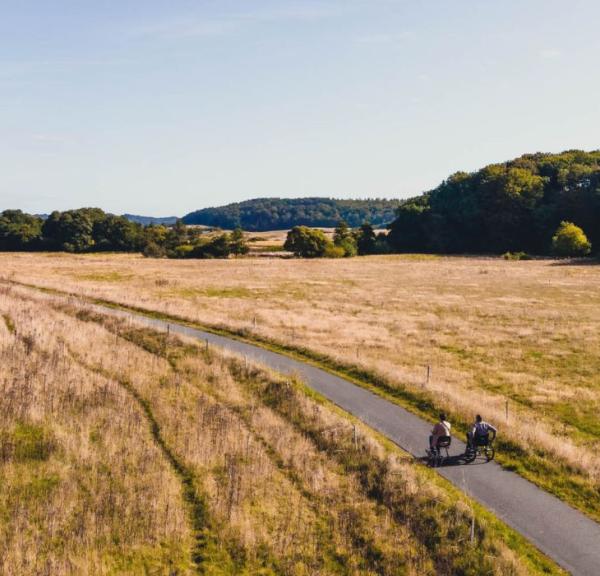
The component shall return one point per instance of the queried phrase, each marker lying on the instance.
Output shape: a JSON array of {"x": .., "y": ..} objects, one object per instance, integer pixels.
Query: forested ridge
[
  {"x": 263, "y": 214},
  {"x": 512, "y": 206}
]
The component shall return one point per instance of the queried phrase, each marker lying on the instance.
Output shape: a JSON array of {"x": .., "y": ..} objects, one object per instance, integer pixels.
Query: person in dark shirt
[{"x": 480, "y": 432}]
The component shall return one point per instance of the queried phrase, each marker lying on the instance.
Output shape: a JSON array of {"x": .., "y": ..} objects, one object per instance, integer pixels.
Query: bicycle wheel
[{"x": 470, "y": 456}]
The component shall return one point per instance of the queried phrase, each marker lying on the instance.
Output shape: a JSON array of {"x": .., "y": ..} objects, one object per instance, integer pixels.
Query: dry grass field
[
  {"x": 490, "y": 330},
  {"x": 126, "y": 451}
]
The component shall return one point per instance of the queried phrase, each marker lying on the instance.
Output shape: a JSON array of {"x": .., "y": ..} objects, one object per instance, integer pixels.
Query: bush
[
  {"x": 516, "y": 256},
  {"x": 306, "y": 242},
  {"x": 333, "y": 251},
  {"x": 183, "y": 251},
  {"x": 237, "y": 243},
  {"x": 153, "y": 250},
  {"x": 570, "y": 240}
]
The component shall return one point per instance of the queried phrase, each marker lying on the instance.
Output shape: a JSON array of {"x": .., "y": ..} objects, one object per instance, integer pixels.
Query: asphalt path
[{"x": 564, "y": 534}]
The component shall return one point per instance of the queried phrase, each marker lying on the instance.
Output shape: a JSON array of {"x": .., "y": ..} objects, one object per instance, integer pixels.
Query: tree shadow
[{"x": 577, "y": 262}]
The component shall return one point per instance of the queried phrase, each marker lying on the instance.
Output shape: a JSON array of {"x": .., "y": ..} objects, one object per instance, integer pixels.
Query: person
[
  {"x": 480, "y": 432},
  {"x": 440, "y": 430}
]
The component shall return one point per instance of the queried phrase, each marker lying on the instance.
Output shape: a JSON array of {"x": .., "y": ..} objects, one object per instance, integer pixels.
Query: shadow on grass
[{"x": 577, "y": 262}]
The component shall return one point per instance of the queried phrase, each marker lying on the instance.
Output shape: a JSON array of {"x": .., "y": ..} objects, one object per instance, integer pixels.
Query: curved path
[{"x": 564, "y": 534}]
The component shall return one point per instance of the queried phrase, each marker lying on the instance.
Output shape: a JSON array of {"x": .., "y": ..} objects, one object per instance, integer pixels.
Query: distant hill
[
  {"x": 263, "y": 214},
  {"x": 147, "y": 220}
]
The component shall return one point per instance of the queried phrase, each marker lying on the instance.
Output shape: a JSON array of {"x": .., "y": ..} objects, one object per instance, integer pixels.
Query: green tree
[
  {"x": 344, "y": 238},
  {"x": 71, "y": 231},
  {"x": 306, "y": 242},
  {"x": 366, "y": 239},
  {"x": 237, "y": 243},
  {"x": 19, "y": 231},
  {"x": 117, "y": 233},
  {"x": 408, "y": 233},
  {"x": 154, "y": 250},
  {"x": 570, "y": 240}
]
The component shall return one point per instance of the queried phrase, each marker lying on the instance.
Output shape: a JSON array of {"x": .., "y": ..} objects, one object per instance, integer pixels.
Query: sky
[{"x": 161, "y": 107}]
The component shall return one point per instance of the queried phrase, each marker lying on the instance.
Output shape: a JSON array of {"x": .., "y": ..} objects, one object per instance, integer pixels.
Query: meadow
[
  {"x": 130, "y": 451},
  {"x": 516, "y": 341}
]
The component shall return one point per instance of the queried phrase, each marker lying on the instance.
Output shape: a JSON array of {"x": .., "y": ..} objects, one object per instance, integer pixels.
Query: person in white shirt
[
  {"x": 440, "y": 430},
  {"x": 479, "y": 431}
]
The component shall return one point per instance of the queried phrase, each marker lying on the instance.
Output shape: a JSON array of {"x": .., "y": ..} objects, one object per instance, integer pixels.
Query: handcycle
[
  {"x": 434, "y": 454},
  {"x": 480, "y": 446}
]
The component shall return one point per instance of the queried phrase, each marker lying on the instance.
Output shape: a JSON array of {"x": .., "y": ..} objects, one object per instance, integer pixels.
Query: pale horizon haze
[{"x": 163, "y": 107}]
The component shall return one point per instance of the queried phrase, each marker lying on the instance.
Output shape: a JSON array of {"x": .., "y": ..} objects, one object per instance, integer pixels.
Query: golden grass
[
  {"x": 84, "y": 489},
  {"x": 287, "y": 491},
  {"x": 490, "y": 330}
]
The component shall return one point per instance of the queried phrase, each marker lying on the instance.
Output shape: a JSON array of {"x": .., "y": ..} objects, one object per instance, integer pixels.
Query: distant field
[
  {"x": 490, "y": 331},
  {"x": 128, "y": 451}
]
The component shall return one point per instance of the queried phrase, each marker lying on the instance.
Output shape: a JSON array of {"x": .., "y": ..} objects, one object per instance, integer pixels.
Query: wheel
[
  {"x": 470, "y": 455},
  {"x": 489, "y": 453}
]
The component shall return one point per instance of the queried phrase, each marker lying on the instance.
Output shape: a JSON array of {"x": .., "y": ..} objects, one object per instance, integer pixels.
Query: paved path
[{"x": 561, "y": 532}]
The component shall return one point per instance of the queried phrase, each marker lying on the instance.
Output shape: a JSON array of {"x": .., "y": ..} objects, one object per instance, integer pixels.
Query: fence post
[
  {"x": 506, "y": 409},
  {"x": 354, "y": 437}
]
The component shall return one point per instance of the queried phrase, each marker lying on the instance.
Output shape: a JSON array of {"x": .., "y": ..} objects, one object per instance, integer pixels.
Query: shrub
[
  {"x": 237, "y": 243},
  {"x": 153, "y": 250},
  {"x": 570, "y": 240},
  {"x": 306, "y": 242},
  {"x": 348, "y": 245},
  {"x": 183, "y": 251},
  {"x": 344, "y": 238},
  {"x": 516, "y": 256},
  {"x": 333, "y": 251}
]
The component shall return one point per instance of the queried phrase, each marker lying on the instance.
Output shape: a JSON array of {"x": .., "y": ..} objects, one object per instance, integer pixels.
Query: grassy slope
[{"x": 494, "y": 528}]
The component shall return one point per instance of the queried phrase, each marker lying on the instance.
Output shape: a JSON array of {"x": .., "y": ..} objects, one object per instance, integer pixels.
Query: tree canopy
[
  {"x": 570, "y": 240},
  {"x": 306, "y": 242},
  {"x": 93, "y": 230},
  {"x": 514, "y": 206},
  {"x": 282, "y": 213}
]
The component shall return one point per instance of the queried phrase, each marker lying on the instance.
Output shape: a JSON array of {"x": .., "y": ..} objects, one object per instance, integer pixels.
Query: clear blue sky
[{"x": 161, "y": 107}]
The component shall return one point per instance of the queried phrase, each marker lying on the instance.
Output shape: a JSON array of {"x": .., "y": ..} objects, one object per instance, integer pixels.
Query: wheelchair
[
  {"x": 480, "y": 446},
  {"x": 437, "y": 455}
]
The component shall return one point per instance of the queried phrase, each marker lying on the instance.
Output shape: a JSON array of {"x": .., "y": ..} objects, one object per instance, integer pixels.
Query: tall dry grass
[
  {"x": 489, "y": 330},
  {"x": 84, "y": 488},
  {"x": 286, "y": 488}
]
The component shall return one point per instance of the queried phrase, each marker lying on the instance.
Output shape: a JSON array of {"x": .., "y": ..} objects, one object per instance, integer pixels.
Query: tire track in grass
[
  {"x": 318, "y": 507},
  {"x": 160, "y": 347},
  {"x": 197, "y": 506}
]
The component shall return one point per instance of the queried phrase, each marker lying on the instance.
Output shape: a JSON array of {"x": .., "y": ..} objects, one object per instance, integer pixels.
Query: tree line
[
  {"x": 517, "y": 206},
  {"x": 264, "y": 214},
  {"x": 536, "y": 204},
  {"x": 308, "y": 242},
  {"x": 93, "y": 230}
]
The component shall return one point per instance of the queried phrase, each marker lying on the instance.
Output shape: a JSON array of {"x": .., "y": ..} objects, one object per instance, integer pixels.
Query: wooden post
[
  {"x": 207, "y": 344},
  {"x": 354, "y": 437},
  {"x": 254, "y": 321},
  {"x": 506, "y": 408},
  {"x": 428, "y": 373},
  {"x": 472, "y": 528}
]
